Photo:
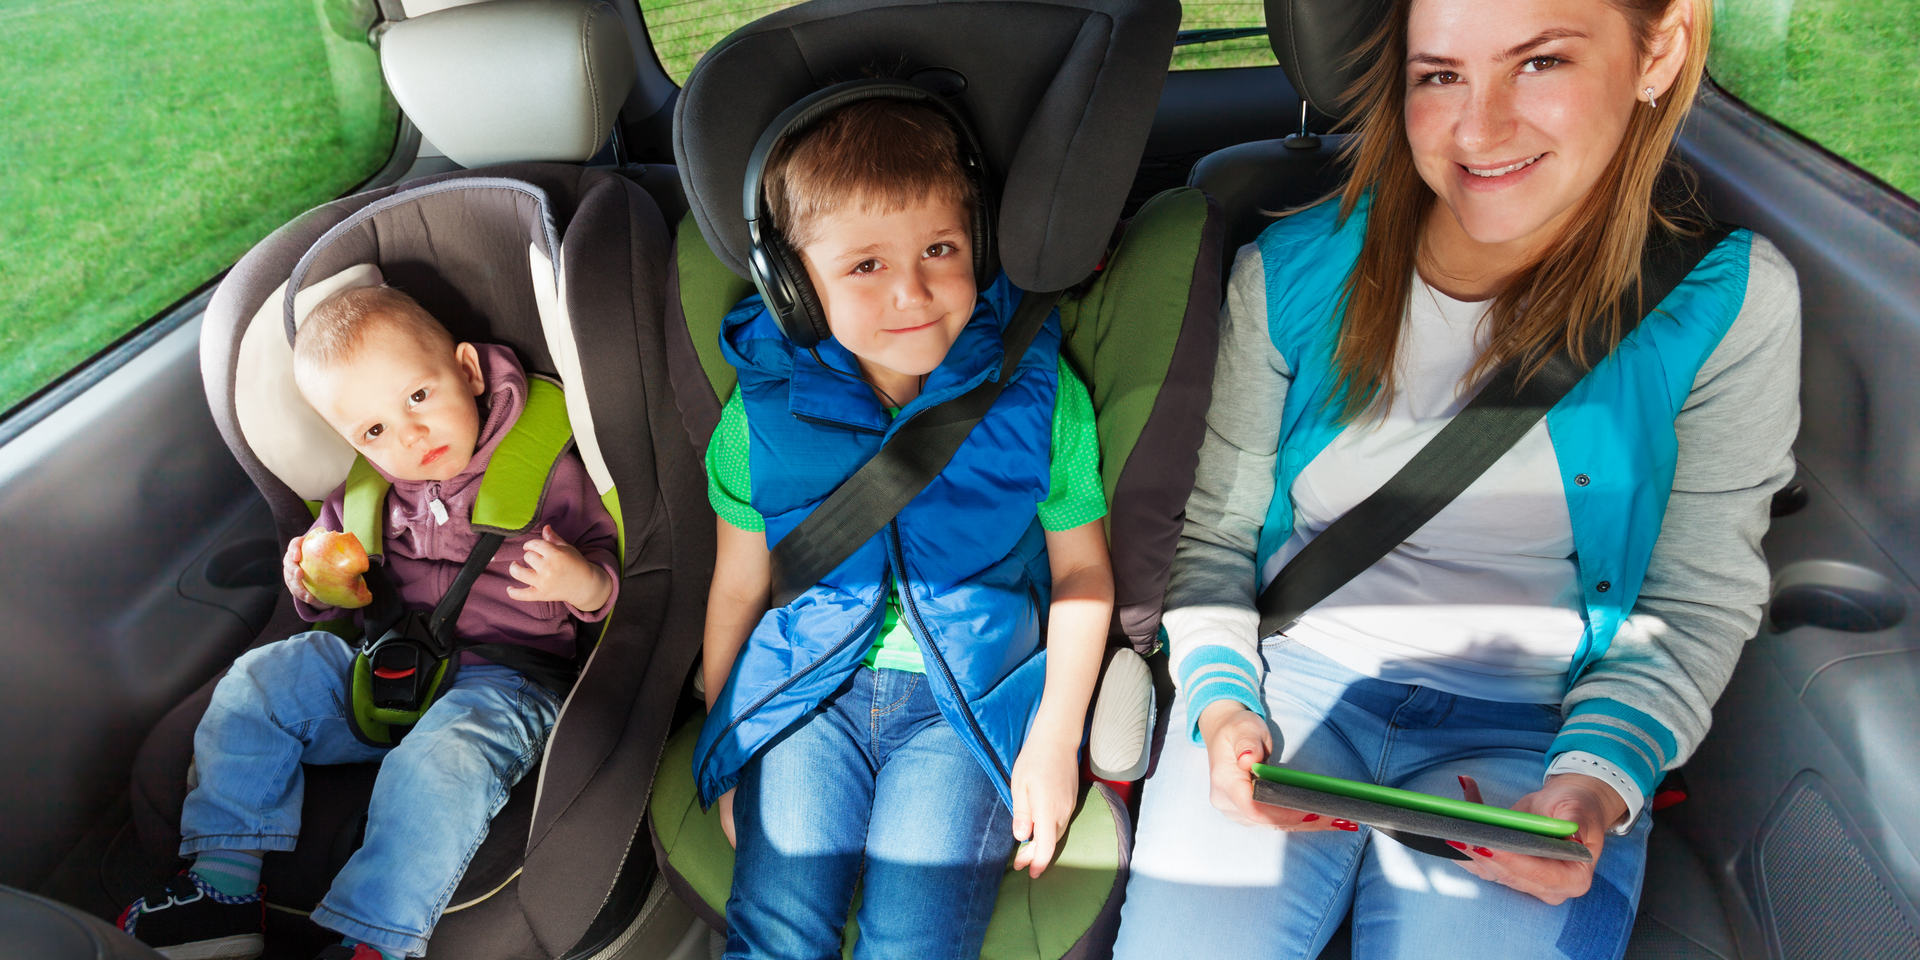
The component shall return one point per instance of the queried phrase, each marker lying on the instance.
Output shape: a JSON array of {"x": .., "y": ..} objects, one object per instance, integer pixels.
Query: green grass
[
  {"x": 148, "y": 145},
  {"x": 1843, "y": 73},
  {"x": 683, "y": 30}
]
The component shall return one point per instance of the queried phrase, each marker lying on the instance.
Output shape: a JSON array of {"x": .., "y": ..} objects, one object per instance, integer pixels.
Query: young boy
[
  {"x": 882, "y": 728},
  {"x": 427, "y": 414}
]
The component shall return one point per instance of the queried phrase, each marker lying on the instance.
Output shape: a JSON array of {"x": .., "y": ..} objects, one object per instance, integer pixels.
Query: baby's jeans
[
  {"x": 286, "y": 703},
  {"x": 873, "y": 777}
]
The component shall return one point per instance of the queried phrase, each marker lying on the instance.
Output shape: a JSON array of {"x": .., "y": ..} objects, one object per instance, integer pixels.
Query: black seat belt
[
  {"x": 435, "y": 632},
  {"x": 905, "y": 464},
  {"x": 1480, "y": 434}
]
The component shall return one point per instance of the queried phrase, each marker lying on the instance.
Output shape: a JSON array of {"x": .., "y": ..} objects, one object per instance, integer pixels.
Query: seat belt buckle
[{"x": 403, "y": 663}]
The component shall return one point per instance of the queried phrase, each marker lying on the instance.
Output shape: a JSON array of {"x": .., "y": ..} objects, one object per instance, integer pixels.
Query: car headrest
[
  {"x": 1061, "y": 92},
  {"x": 1315, "y": 41},
  {"x": 511, "y": 80}
]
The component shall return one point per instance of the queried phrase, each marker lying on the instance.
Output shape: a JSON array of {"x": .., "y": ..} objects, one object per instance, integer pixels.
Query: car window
[
  {"x": 1843, "y": 73},
  {"x": 149, "y": 145},
  {"x": 1222, "y": 33},
  {"x": 1213, "y": 33}
]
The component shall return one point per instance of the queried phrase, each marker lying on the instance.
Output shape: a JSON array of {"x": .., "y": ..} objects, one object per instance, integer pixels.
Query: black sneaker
[
  {"x": 188, "y": 920},
  {"x": 341, "y": 951}
]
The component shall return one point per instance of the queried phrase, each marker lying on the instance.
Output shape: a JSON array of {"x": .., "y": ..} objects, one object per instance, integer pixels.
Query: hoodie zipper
[
  {"x": 925, "y": 639},
  {"x": 858, "y": 629}
]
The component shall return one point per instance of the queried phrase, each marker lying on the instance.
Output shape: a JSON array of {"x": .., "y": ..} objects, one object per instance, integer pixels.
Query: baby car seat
[
  {"x": 1062, "y": 95},
  {"x": 567, "y": 265}
]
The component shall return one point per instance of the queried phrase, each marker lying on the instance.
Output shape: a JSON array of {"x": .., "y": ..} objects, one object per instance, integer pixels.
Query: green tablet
[{"x": 1420, "y": 802}]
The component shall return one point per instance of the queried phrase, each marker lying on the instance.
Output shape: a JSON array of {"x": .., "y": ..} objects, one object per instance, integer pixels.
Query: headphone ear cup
[
  {"x": 809, "y": 317},
  {"x": 985, "y": 259}
]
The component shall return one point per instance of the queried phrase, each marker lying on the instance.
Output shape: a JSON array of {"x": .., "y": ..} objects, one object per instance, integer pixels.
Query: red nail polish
[
  {"x": 1457, "y": 845},
  {"x": 1345, "y": 825},
  {"x": 1483, "y": 851},
  {"x": 1309, "y": 818}
]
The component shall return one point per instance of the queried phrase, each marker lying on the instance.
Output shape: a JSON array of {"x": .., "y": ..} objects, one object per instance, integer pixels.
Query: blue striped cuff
[
  {"x": 1638, "y": 744},
  {"x": 1213, "y": 673}
]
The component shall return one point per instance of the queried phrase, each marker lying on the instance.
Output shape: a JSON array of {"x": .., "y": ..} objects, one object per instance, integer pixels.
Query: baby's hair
[
  {"x": 339, "y": 325},
  {"x": 878, "y": 156}
]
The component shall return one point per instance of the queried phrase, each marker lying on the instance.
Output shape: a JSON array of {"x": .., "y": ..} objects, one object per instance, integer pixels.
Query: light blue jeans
[
  {"x": 285, "y": 703},
  {"x": 1205, "y": 887},
  {"x": 874, "y": 778}
]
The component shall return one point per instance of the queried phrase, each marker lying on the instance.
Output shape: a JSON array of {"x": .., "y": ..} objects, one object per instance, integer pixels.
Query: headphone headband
[{"x": 776, "y": 269}]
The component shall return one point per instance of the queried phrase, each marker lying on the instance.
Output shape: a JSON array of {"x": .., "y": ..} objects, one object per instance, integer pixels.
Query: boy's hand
[
  {"x": 295, "y": 577},
  {"x": 725, "y": 803},
  {"x": 1046, "y": 784},
  {"x": 554, "y": 571}
]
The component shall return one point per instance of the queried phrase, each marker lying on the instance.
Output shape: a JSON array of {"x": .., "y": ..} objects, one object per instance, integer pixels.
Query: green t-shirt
[{"x": 1074, "y": 494}]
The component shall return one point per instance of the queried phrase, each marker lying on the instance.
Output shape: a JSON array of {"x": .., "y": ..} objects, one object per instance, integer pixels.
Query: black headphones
[{"x": 776, "y": 268}]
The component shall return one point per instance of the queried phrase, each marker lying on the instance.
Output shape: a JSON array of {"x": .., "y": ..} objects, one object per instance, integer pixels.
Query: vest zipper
[
  {"x": 858, "y": 629},
  {"x": 839, "y": 425},
  {"x": 926, "y": 641}
]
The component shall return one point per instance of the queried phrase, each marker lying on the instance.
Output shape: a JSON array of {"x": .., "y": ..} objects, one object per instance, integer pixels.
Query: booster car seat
[
  {"x": 1062, "y": 95},
  {"x": 567, "y": 265}
]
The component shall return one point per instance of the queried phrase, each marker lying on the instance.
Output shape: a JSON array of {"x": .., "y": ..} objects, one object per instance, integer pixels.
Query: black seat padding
[
  {"x": 1064, "y": 138},
  {"x": 1255, "y": 181},
  {"x": 35, "y": 928}
]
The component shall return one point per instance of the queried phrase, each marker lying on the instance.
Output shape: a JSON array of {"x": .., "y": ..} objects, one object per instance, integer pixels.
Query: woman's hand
[
  {"x": 1046, "y": 785},
  {"x": 556, "y": 572},
  {"x": 1236, "y": 739},
  {"x": 1584, "y": 800},
  {"x": 296, "y": 578},
  {"x": 725, "y": 803}
]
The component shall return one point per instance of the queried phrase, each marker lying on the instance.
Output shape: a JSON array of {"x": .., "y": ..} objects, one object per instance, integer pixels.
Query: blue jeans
[
  {"x": 872, "y": 777},
  {"x": 285, "y": 703},
  {"x": 1205, "y": 887}
]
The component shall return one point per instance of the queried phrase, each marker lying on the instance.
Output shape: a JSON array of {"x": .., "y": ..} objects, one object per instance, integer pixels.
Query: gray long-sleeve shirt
[{"x": 1704, "y": 584}]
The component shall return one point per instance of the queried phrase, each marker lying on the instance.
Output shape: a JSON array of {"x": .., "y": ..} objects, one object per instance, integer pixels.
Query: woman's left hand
[{"x": 1584, "y": 800}]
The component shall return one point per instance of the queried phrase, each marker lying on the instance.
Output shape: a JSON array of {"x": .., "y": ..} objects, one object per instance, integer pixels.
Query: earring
[{"x": 1651, "y": 103}]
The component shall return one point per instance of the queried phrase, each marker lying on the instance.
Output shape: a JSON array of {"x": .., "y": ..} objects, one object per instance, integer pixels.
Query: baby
[{"x": 427, "y": 414}]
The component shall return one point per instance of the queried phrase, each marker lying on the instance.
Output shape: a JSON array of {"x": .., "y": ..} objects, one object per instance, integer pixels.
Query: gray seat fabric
[{"x": 36, "y": 928}]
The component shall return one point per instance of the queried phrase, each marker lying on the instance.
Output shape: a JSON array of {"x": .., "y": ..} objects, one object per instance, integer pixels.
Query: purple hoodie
[{"x": 422, "y": 557}]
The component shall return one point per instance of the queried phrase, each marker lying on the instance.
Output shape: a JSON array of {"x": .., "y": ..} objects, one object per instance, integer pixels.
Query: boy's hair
[
  {"x": 337, "y": 327},
  {"x": 877, "y": 156}
]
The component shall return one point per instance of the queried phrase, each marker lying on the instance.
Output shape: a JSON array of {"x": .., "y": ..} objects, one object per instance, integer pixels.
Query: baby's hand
[
  {"x": 296, "y": 578},
  {"x": 554, "y": 571}
]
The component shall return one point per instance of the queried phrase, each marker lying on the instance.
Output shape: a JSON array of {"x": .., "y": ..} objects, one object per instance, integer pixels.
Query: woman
[{"x": 1556, "y": 636}]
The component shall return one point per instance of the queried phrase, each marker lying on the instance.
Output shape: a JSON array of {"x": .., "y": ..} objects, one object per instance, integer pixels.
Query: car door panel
[{"x": 109, "y": 507}]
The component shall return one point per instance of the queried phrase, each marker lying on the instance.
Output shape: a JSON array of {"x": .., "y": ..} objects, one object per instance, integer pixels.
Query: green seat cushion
[{"x": 1033, "y": 920}]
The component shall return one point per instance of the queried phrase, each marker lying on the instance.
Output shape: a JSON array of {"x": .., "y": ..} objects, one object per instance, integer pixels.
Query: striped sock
[{"x": 235, "y": 873}]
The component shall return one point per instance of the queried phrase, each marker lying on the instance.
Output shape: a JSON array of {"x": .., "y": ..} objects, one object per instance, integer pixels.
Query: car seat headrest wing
[
  {"x": 511, "y": 80},
  {"x": 1315, "y": 41},
  {"x": 1062, "y": 95}
]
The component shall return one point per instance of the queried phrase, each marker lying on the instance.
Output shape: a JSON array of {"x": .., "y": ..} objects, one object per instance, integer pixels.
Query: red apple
[{"x": 333, "y": 564}]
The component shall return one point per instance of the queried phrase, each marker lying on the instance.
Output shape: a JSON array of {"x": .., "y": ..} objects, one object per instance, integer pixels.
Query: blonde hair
[
  {"x": 875, "y": 155},
  {"x": 339, "y": 325},
  {"x": 1548, "y": 306}
]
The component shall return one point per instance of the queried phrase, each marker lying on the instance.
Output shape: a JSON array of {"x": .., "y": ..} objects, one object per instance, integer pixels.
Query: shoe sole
[{"x": 246, "y": 946}]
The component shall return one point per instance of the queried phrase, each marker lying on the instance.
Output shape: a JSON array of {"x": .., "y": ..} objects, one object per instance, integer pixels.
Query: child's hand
[
  {"x": 1046, "y": 783},
  {"x": 726, "y": 817},
  {"x": 554, "y": 571},
  {"x": 295, "y": 577}
]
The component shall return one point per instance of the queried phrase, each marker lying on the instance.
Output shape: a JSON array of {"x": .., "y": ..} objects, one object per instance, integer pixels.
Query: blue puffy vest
[
  {"x": 1613, "y": 433},
  {"x": 969, "y": 549}
]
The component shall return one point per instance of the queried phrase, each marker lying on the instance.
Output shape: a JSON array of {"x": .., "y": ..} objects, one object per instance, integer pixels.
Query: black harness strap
[
  {"x": 905, "y": 464},
  {"x": 1480, "y": 434}
]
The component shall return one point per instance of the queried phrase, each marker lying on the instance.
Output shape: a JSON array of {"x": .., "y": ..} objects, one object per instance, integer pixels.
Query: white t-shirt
[{"x": 1484, "y": 600}]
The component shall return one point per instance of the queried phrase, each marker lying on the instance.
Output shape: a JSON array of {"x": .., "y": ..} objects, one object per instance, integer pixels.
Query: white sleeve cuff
[{"x": 1579, "y": 761}]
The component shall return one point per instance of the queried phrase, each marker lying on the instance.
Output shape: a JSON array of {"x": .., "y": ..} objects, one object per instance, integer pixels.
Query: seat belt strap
[
  {"x": 1478, "y": 436},
  {"x": 876, "y": 493}
]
